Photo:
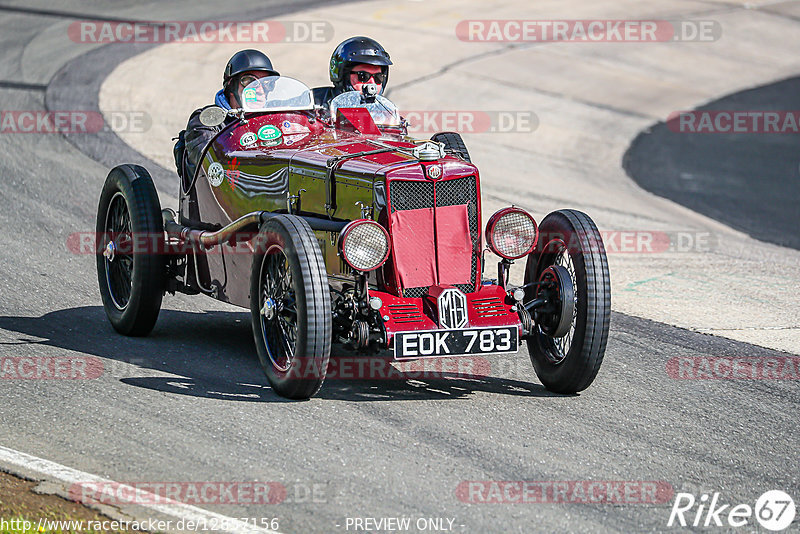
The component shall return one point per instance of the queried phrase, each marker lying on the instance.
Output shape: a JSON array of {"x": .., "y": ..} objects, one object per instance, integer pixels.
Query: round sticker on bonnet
[
  {"x": 269, "y": 132},
  {"x": 271, "y": 142},
  {"x": 248, "y": 139},
  {"x": 215, "y": 174}
]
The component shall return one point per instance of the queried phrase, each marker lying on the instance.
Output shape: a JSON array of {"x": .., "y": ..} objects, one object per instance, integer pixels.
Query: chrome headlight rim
[
  {"x": 492, "y": 224},
  {"x": 347, "y": 233}
]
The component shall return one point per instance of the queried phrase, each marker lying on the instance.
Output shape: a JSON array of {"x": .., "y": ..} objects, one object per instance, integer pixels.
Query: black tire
[
  {"x": 571, "y": 239},
  {"x": 131, "y": 281},
  {"x": 453, "y": 144},
  {"x": 288, "y": 269}
]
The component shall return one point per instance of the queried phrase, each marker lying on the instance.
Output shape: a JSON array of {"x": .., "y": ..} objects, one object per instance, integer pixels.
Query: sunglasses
[
  {"x": 247, "y": 79},
  {"x": 364, "y": 76}
]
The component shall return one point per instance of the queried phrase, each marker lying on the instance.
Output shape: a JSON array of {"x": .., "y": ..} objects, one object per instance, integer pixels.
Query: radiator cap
[{"x": 429, "y": 151}]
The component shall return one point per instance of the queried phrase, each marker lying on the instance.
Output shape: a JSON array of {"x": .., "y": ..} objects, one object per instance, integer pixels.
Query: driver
[
  {"x": 242, "y": 69},
  {"x": 355, "y": 62}
]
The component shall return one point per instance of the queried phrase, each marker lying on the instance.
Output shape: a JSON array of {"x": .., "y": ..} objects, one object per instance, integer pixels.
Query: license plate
[{"x": 455, "y": 342}]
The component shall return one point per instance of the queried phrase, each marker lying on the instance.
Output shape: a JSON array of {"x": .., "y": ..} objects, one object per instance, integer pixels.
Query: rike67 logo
[{"x": 774, "y": 510}]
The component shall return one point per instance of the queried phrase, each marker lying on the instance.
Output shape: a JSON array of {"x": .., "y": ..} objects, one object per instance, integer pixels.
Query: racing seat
[{"x": 322, "y": 95}]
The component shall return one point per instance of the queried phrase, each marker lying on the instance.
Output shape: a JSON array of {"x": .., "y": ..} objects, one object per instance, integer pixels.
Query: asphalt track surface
[
  {"x": 190, "y": 403},
  {"x": 750, "y": 182}
]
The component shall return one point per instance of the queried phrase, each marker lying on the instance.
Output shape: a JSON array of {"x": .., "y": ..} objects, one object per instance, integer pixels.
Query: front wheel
[
  {"x": 290, "y": 305},
  {"x": 132, "y": 280},
  {"x": 453, "y": 144},
  {"x": 568, "y": 341}
]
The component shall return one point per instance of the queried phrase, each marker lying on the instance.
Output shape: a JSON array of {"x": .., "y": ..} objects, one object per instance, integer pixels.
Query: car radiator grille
[
  {"x": 405, "y": 313},
  {"x": 488, "y": 307},
  {"x": 411, "y": 195}
]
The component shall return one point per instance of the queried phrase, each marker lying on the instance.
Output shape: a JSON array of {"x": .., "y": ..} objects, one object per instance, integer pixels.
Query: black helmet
[
  {"x": 245, "y": 60},
  {"x": 353, "y": 51}
]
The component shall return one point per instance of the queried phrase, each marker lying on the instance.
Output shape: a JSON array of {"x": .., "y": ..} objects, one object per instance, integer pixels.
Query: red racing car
[{"x": 332, "y": 225}]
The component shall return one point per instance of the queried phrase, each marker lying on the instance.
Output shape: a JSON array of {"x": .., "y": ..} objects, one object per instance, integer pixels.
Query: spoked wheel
[
  {"x": 118, "y": 259},
  {"x": 131, "y": 281},
  {"x": 291, "y": 307},
  {"x": 278, "y": 309},
  {"x": 571, "y": 328}
]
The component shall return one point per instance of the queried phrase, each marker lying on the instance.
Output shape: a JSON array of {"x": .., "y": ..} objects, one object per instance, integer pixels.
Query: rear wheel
[
  {"x": 131, "y": 281},
  {"x": 453, "y": 144},
  {"x": 290, "y": 306},
  {"x": 568, "y": 341}
]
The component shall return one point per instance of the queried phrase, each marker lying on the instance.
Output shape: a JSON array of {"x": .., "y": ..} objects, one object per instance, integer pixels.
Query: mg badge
[
  {"x": 452, "y": 308},
  {"x": 434, "y": 171}
]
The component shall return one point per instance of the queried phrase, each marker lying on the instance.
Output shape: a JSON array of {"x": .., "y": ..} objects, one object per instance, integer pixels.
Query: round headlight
[
  {"x": 364, "y": 245},
  {"x": 511, "y": 233}
]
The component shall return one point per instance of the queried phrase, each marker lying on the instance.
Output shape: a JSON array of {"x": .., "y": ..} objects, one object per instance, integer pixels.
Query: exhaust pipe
[
  {"x": 207, "y": 239},
  {"x": 235, "y": 231}
]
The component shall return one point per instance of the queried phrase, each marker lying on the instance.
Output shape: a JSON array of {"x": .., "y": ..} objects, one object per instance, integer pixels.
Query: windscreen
[
  {"x": 383, "y": 110},
  {"x": 277, "y": 93}
]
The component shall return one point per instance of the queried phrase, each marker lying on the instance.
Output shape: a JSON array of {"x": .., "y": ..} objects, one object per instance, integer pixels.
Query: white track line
[{"x": 53, "y": 471}]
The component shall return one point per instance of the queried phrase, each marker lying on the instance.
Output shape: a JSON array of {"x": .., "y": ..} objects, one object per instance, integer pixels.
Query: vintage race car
[{"x": 333, "y": 226}]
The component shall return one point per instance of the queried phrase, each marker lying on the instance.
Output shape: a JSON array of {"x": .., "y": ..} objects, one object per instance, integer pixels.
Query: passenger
[{"x": 242, "y": 69}]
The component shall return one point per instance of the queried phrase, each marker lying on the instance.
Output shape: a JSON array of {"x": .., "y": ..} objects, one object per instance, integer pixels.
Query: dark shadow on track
[
  {"x": 749, "y": 181},
  {"x": 211, "y": 355}
]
